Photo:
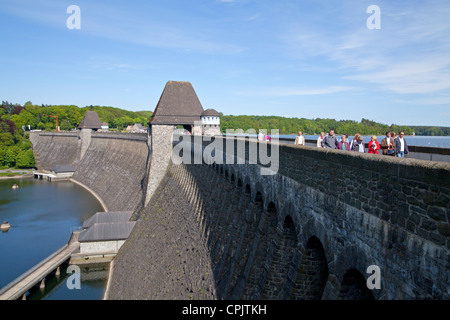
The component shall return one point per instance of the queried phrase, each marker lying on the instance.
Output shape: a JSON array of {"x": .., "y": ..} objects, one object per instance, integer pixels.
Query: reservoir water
[{"x": 42, "y": 216}]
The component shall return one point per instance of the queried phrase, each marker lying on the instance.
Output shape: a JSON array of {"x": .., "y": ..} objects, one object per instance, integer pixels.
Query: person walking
[
  {"x": 361, "y": 144},
  {"x": 374, "y": 146},
  {"x": 354, "y": 140},
  {"x": 319, "y": 140},
  {"x": 343, "y": 144},
  {"x": 330, "y": 140},
  {"x": 300, "y": 140},
  {"x": 401, "y": 147},
  {"x": 260, "y": 136},
  {"x": 387, "y": 144}
]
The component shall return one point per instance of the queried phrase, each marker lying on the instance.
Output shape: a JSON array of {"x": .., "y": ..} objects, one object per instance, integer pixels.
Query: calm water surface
[{"x": 42, "y": 216}]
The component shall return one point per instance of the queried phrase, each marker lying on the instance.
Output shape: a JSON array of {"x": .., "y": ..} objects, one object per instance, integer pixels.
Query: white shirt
[
  {"x": 319, "y": 142},
  {"x": 361, "y": 147},
  {"x": 300, "y": 140},
  {"x": 402, "y": 144},
  {"x": 260, "y": 136}
]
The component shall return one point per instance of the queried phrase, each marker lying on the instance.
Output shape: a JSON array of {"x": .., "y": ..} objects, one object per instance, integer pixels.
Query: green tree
[
  {"x": 3, "y": 163},
  {"x": 25, "y": 159},
  {"x": 66, "y": 125},
  {"x": 10, "y": 156},
  {"x": 6, "y": 139}
]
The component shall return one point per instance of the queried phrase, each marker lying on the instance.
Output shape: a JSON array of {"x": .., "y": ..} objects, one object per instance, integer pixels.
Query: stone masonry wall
[
  {"x": 307, "y": 231},
  {"x": 113, "y": 165},
  {"x": 115, "y": 168},
  {"x": 161, "y": 152},
  {"x": 376, "y": 210},
  {"x": 51, "y": 149}
]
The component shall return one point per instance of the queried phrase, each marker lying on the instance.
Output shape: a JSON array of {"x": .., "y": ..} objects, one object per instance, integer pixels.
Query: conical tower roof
[
  {"x": 90, "y": 121},
  {"x": 178, "y": 104}
]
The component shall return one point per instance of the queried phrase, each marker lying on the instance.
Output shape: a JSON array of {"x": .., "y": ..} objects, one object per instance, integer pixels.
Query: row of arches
[{"x": 296, "y": 265}]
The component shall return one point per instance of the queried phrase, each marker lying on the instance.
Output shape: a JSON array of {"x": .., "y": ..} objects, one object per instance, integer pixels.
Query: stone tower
[
  {"x": 178, "y": 105},
  {"x": 91, "y": 122}
]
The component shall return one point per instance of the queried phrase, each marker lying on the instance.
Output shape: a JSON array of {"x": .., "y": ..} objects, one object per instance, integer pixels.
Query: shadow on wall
[{"x": 255, "y": 251}]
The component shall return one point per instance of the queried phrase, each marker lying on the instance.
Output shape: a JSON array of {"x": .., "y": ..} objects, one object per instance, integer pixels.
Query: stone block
[
  {"x": 443, "y": 229},
  {"x": 437, "y": 213}
]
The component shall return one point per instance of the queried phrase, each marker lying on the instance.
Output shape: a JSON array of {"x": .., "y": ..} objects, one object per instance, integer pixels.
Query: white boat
[{"x": 5, "y": 226}]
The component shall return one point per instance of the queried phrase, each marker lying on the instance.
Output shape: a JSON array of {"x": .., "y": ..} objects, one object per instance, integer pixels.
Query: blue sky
[{"x": 305, "y": 58}]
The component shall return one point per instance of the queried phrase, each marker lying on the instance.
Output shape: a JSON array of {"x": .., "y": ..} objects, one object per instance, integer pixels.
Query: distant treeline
[
  {"x": 38, "y": 117},
  {"x": 318, "y": 125},
  {"x": 69, "y": 116},
  {"x": 15, "y": 147},
  {"x": 431, "y": 131}
]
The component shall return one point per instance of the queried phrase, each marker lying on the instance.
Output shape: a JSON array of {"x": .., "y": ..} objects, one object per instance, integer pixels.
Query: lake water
[{"x": 42, "y": 216}]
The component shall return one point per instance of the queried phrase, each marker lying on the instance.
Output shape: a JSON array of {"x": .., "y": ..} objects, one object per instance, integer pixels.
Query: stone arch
[
  {"x": 233, "y": 174},
  {"x": 271, "y": 207},
  {"x": 259, "y": 197},
  {"x": 239, "y": 183},
  {"x": 259, "y": 193},
  {"x": 226, "y": 173},
  {"x": 356, "y": 259},
  {"x": 351, "y": 257},
  {"x": 248, "y": 189},
  {"x": 353, "y": 287},
  {"x": 278, "y": 284},
  {"x": 313, "y": 228},
  {"x": 221, "y": 169},
  {"x": 263, "y": 255},
  {"x": 312, "y": 274}
]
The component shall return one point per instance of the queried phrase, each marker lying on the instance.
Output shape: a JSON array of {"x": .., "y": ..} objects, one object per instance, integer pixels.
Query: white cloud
[
  {"x": 142, "y": 26},
  {"x": 410, "y": 54},
  {"x": 297, "y": 91}
]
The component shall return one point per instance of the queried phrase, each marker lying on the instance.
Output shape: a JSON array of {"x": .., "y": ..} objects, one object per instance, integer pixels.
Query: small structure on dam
[
  {"x": 210, "y": 122},
  {"x": 91, "y": 121},
  {"x": 62, "y": 171},
  {"x": 105, "y": 232},
  {"x": 179, "y": 105}
]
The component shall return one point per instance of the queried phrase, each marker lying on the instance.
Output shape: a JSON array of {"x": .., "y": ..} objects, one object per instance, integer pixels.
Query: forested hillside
[
  {"x": 309, "y": 127},
  {"x": 38, "y": 117},
  {"x": 16, "y": 120}
]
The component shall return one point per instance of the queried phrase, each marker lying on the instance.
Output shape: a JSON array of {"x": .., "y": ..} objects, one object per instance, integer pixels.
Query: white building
[
  {"x": 210, "y": 122},
  {"x": 105, "y": 232},
  {"x": 105, "y": 126}
]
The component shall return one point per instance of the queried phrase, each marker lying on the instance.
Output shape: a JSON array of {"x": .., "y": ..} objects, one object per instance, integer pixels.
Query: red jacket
[{"x": 372, "y": 149}]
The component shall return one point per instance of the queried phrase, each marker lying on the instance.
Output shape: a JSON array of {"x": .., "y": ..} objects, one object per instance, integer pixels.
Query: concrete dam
[{"x": 227, "y": 227}]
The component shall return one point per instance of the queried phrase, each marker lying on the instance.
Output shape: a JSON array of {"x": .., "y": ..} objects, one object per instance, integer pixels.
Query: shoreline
[
  {"x": 20, "y": 176},
  {"x": 92, "y": 192},
  {"x": 30, "y": 175}
]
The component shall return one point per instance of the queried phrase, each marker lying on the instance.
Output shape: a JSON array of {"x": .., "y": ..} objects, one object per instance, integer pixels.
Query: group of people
[
  {"x": 263, "y": 137},
  {"x": 390, "y": 145}
]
